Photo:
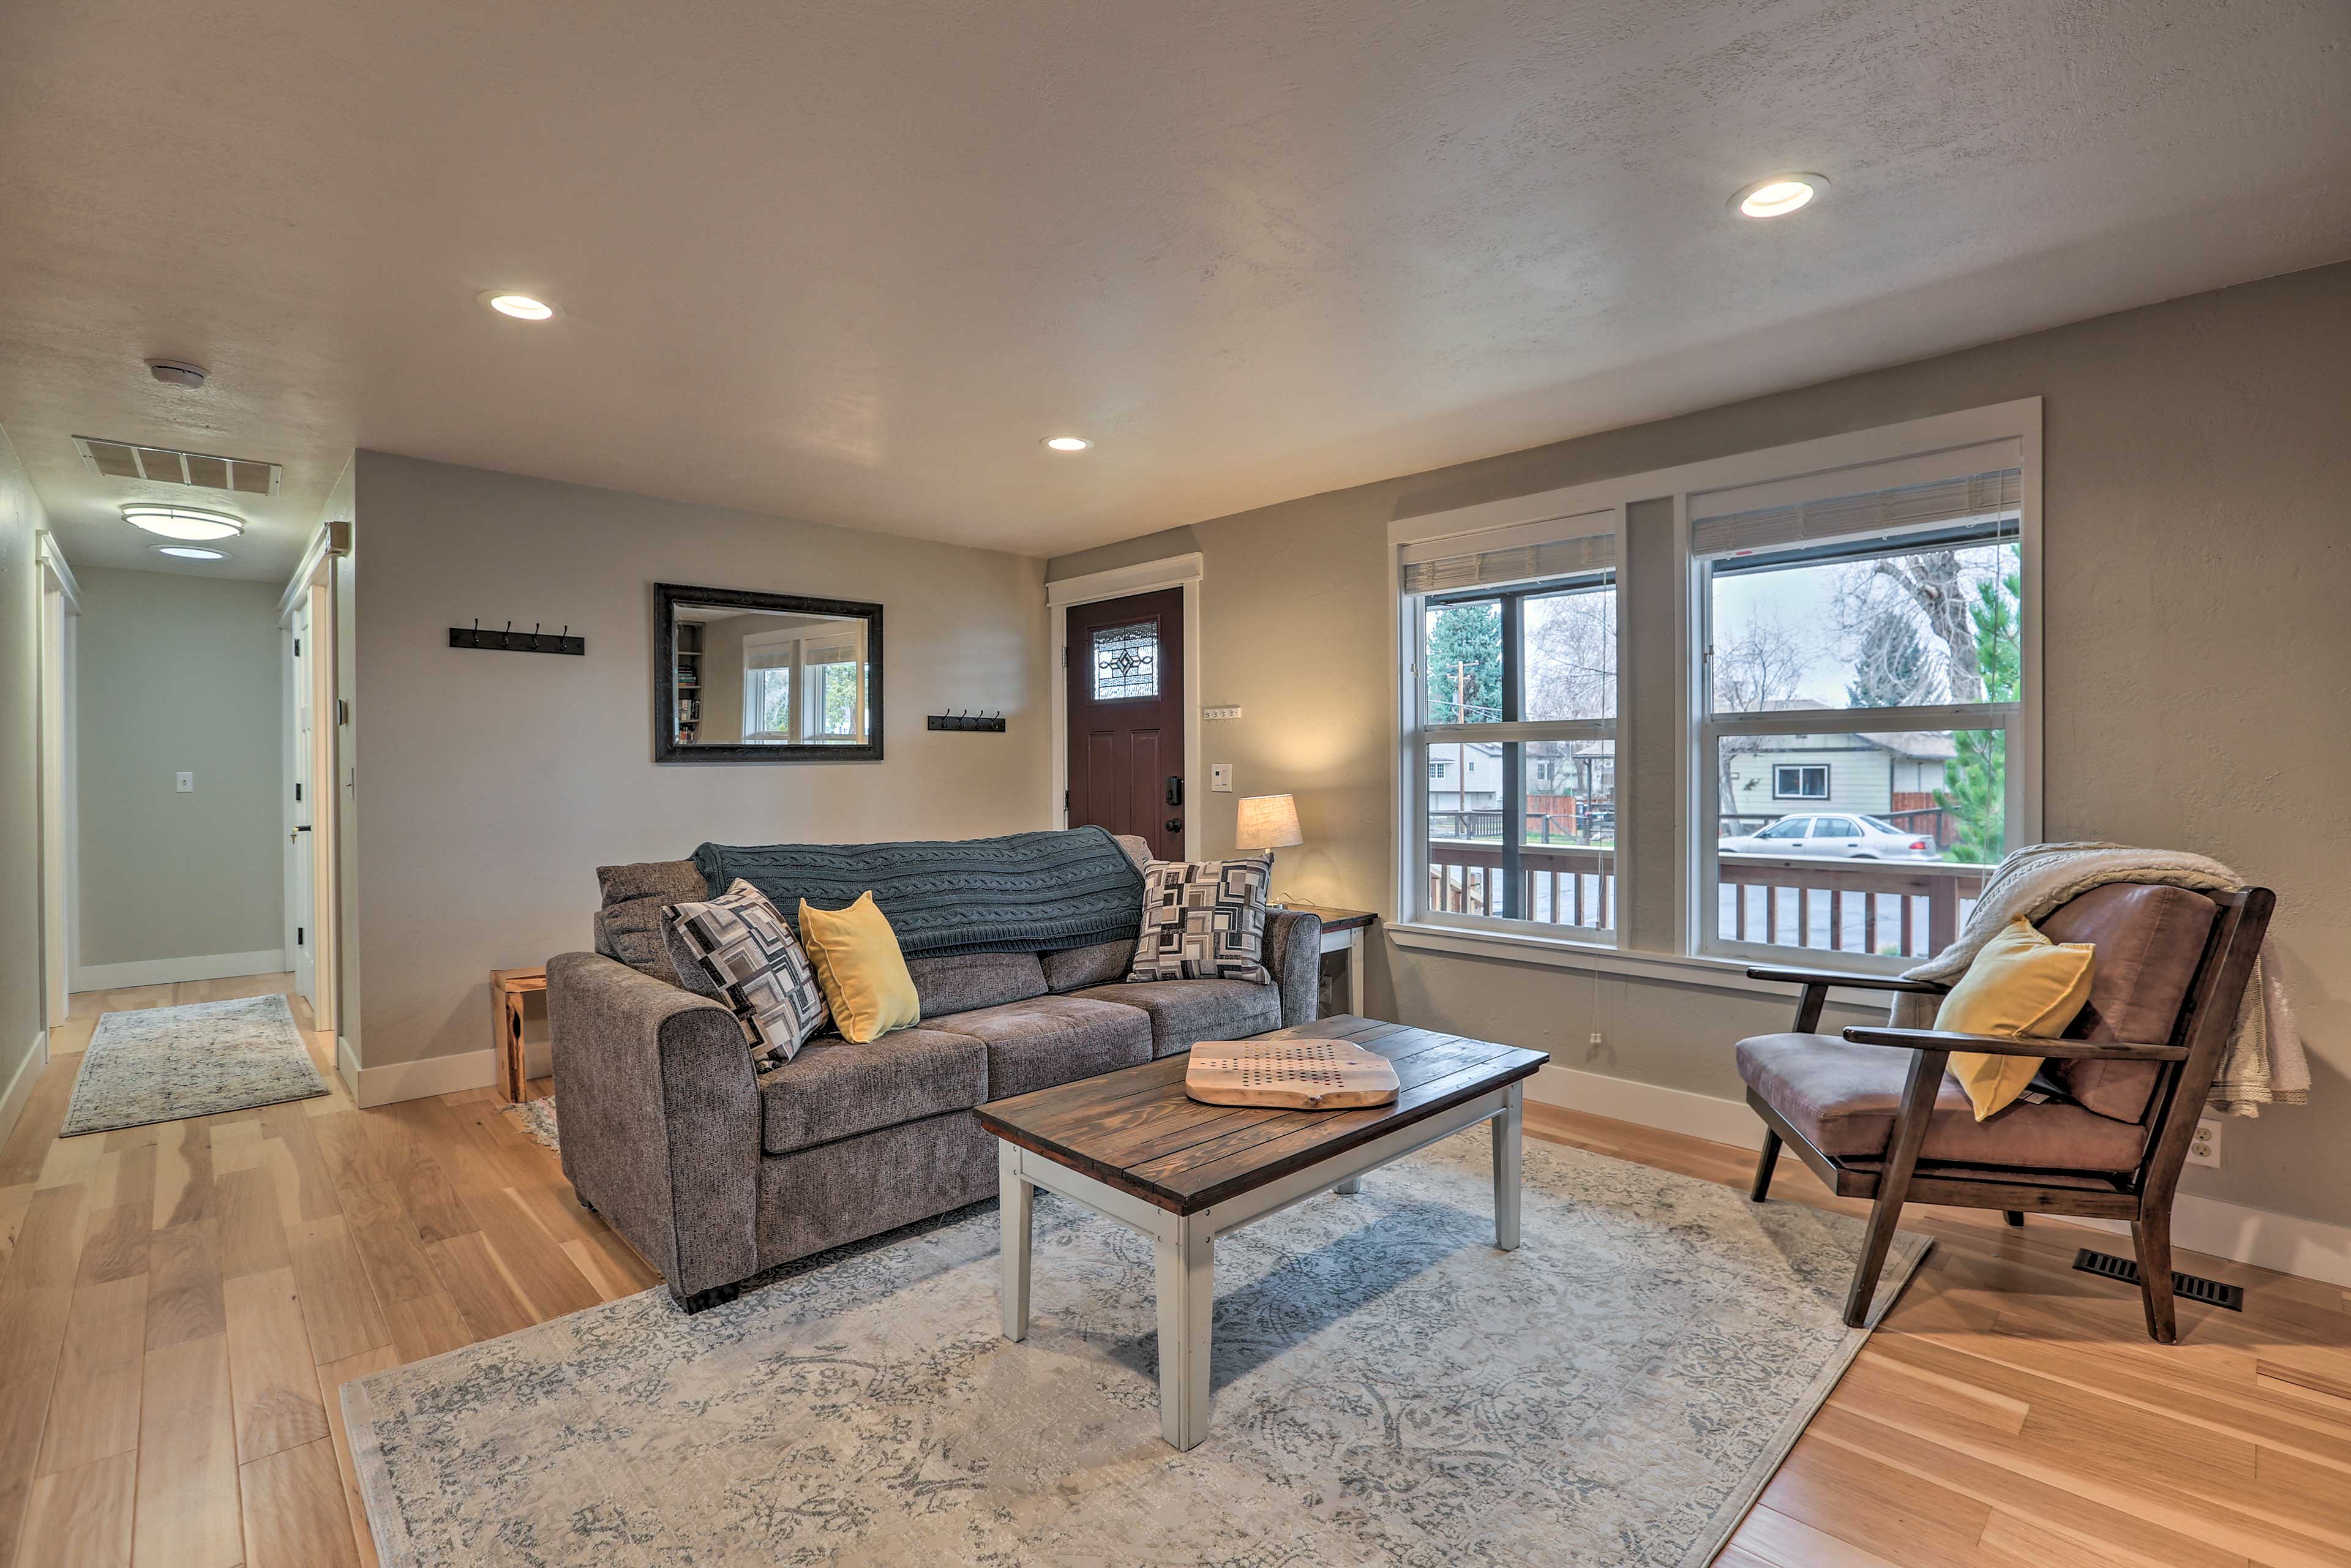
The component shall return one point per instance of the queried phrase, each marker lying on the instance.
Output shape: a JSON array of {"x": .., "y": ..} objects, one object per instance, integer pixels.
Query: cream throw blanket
[{"x": 2264, "y": 1063}]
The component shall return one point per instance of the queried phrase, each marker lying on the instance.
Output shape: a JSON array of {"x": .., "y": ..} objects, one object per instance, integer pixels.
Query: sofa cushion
[
  {"x": 1075, "y": 968},
  {"x": 1182, "y": 1011},
  {"x": 630, "y": 923},
  {"x": 738, "y": 949},
  {"x": 961, "y": 981},
  {"x": 1203, "y": 920},
  {"x": 1842, "y": 1099},
  {"x": 834, "y": 1089},
  {"x": 1046, "y": 1041},
  {"x": 2149, "y": 940}
]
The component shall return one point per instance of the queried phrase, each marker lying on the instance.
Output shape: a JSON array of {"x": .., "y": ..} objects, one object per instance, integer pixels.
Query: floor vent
[
  {"x": 2187, "y": 1287},
  {"x": 128, "y": 460}
]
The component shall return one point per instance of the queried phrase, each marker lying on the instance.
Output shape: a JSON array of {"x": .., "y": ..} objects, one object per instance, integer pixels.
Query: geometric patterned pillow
[
  {"x": 1203, "y": 920},
  {"x": 735, "y": 948}
]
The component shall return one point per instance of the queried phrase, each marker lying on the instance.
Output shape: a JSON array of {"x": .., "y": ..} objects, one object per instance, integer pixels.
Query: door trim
[
  {"x": 314, "y": 583},
  {"x": 60, "y": 606},
  {"x": 1183, "y": 571}
]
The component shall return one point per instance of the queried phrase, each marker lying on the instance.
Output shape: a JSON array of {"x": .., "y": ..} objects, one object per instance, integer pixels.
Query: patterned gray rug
[
  {"x": 159, "y": 1065},
  {"x": 1388, "y": 1390},
  {"x": 537, "y": 1118}
]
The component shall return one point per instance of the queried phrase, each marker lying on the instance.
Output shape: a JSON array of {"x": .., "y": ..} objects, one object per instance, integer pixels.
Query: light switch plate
[
  {"x": 1213, "y": 714},
  {"x": 187, "y": 784},
  {"x": 1221, "y": 776}
]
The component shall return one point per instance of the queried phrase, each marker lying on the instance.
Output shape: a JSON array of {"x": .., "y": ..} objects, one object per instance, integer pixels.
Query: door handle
[
  {"x": 1175, "y": 789},
  {"x": 1174, "y": 824}
]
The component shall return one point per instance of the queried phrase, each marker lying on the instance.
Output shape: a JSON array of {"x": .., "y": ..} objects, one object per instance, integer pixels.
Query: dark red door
[{"x": 1126, "y": 717}]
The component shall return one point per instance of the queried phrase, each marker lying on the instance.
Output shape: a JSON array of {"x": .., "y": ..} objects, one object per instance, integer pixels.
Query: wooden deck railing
[{"x": 1913, "y": 906}]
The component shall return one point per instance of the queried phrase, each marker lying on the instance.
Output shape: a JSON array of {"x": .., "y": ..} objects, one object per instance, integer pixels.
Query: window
[
  {"x": 1512, "y": 657},
  {"x": 1868, "y": 637},
  {"x": 1126, "y": 661},
  {"x": 802, "y": 689},
  {"x": 1800, "y": 781},
  {"x": 1849, "y": 714}
]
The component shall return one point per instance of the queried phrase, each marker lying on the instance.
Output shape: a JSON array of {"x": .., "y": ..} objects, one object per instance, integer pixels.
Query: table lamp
[{"x": 1267, "y": 822}]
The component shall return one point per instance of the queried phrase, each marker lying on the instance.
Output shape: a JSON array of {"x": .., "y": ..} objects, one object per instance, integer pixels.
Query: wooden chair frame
[{"x": 2143, "y": 1196}]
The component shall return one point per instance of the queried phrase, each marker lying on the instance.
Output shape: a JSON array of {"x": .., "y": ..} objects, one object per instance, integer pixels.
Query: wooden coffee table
[{"x": 1132, "y": 1146}]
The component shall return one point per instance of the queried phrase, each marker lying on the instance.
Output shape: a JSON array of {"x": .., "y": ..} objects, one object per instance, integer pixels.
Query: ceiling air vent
[{"x": 124, "y": 460}]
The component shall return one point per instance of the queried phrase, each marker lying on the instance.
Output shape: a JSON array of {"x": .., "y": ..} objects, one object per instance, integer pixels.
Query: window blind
[
  {"x": 769, "y": 656},
  {"x": 1502, "y": 556},
  {"x": 1909, "y": 510}
]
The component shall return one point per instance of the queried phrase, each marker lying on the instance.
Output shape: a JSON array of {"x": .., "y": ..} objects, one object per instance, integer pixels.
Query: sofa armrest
[
  {"x": 659, "y": 1117},
  {"x": 1293, "y": 957},
  {"x": 2014, "y": 1045}
]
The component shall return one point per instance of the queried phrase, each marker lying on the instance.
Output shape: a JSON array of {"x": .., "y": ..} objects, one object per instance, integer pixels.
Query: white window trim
[
  {"x": 1185, "y": 571},
  {"x": 753, "y": 642},
  {"x": 1528, "y": 519},
  {"x": 2021, "y": 420}
]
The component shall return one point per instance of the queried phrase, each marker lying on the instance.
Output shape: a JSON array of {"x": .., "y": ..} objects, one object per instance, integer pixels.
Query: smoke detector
[{"x": 177, "y": 373}]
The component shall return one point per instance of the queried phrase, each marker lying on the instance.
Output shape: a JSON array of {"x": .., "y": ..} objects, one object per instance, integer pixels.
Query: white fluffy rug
[
  {"x": 159, "y": 1065},
  {"x": 1388, "y": 1390}
]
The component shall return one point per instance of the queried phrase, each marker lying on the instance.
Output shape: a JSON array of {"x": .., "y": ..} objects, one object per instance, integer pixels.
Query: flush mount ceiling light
[
  {"x": 1067, "y": 442},
  {"x": 182, "y": 522},
  {"x": 191, "y": 553},
  {"x": 1779, "y": 195},
  {"x": 521, "y": 306}
]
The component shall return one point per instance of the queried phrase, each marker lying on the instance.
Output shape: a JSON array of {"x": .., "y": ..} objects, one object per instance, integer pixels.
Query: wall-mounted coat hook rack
[
  {"x": 534, "y": 641},
  {"x": 987, "y": 723}
]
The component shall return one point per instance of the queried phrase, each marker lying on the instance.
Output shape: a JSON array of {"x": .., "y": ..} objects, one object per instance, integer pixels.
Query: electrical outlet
[
  {"x": 1221, "y": 776},
  {"x": 1596, "y": 1036},
  {"x": 2204, "y": 1149},
  {"x": 187, "y": 784}
]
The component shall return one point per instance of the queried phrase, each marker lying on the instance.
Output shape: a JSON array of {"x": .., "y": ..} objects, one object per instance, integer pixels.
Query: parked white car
[{"x": 1849, "y": 837}]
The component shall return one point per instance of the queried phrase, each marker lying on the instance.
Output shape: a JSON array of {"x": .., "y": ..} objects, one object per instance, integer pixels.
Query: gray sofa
[{"x": 716, "y": 1173}]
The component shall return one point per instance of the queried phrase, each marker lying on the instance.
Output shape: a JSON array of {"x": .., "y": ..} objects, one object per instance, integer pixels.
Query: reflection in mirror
[
  {"x": 752, "y": 674},
  {"x": 756, "y": 678}
]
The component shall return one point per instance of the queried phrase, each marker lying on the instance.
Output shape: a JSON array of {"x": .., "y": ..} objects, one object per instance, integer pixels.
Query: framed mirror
[{"x": 741, "y": 677}]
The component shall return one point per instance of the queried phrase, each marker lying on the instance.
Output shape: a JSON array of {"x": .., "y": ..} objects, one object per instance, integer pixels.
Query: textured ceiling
[{"x": 850, "y": 259}]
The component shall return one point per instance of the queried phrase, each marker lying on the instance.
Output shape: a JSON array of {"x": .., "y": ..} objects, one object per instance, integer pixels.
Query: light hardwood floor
[{"x": 179, "y": 1304}]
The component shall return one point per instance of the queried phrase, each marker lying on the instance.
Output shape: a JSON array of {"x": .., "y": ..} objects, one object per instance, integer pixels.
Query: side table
[
  {"x": 1344, "y": 933},
  {"x": 508, "y": 989}
]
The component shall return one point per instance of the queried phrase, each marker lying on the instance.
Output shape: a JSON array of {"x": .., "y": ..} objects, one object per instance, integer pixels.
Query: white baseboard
[
  {"x": 20, "y": 1087},
  {"x": 166, "y": 971},
  {"x": 2313, "y": 1248},
  {"x": 421, "y": 1079},
  {"x": 346, "y": 1066}
]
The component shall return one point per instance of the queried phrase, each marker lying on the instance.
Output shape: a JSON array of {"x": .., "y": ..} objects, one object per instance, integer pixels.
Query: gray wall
[
  {"x": 20, "y": 769},
  {"x": 2196, "y": 494},
  {"x": 179, "y": 672},
  {"x": 493, "y": 784}
]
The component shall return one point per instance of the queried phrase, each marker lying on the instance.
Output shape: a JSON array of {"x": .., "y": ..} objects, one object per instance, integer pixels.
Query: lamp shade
[{"x": 1267, "y": 822}]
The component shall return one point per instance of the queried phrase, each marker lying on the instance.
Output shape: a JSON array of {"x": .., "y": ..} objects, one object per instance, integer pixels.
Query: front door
[{"x": 1126, "y": 662}]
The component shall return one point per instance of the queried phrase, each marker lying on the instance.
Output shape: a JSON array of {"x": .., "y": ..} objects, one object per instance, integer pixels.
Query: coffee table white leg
[
  {"x": 1507, "y": 1128},
  {"x": 1020, "y": 1206},
  {"x": 1350, "y": 1187},
  {"x": 1188, "y": 1301}
]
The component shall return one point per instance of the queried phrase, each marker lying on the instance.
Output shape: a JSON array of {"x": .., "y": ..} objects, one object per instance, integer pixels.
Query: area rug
[
  {"x": 159, "y": 1065},
  {"x": 1388, "y": 1390},
  {"x": 537, "y": 1119}
]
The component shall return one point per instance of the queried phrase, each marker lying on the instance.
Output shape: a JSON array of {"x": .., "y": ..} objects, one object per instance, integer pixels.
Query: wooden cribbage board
[{"x": 1294, "y": 1074}]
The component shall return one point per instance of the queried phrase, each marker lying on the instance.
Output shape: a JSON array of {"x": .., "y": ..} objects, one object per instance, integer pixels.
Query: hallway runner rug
[
  {"x": 161, "y": 1065},
  {"x": 1390, "y": 1393}
]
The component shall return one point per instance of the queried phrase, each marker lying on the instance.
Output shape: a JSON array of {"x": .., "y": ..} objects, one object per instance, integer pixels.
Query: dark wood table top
[
  {"x": 1136, "y": 1130},
  {"x": 1334, "y": 918}
]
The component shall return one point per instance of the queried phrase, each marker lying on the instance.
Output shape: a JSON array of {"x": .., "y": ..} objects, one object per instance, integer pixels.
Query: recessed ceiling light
[
  {"x": 191, "y": 552},
  {"x": 521, "y": 306},
  {"x": 182, "y": 522},
  {"x": 1779, "y": 195},
  {"x": 1067, "y": 442}
]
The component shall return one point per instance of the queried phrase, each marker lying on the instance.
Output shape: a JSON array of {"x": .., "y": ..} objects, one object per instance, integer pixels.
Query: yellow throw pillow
[
  {"x": 2021, "y": 983},
  {"x": 858, "y": 965}
]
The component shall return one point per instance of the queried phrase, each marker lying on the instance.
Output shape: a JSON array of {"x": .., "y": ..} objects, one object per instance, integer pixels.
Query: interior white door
[{"x": 305, "y": 947}]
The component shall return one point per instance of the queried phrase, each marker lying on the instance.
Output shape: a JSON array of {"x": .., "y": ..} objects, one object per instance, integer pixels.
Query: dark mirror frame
[{"x": 668, "y": 596}]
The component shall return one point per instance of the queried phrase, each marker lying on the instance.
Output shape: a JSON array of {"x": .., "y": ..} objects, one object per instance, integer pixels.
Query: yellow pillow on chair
[
  {"x": 2021, "y": 983},
  {"x": 860, "y": 968}
]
